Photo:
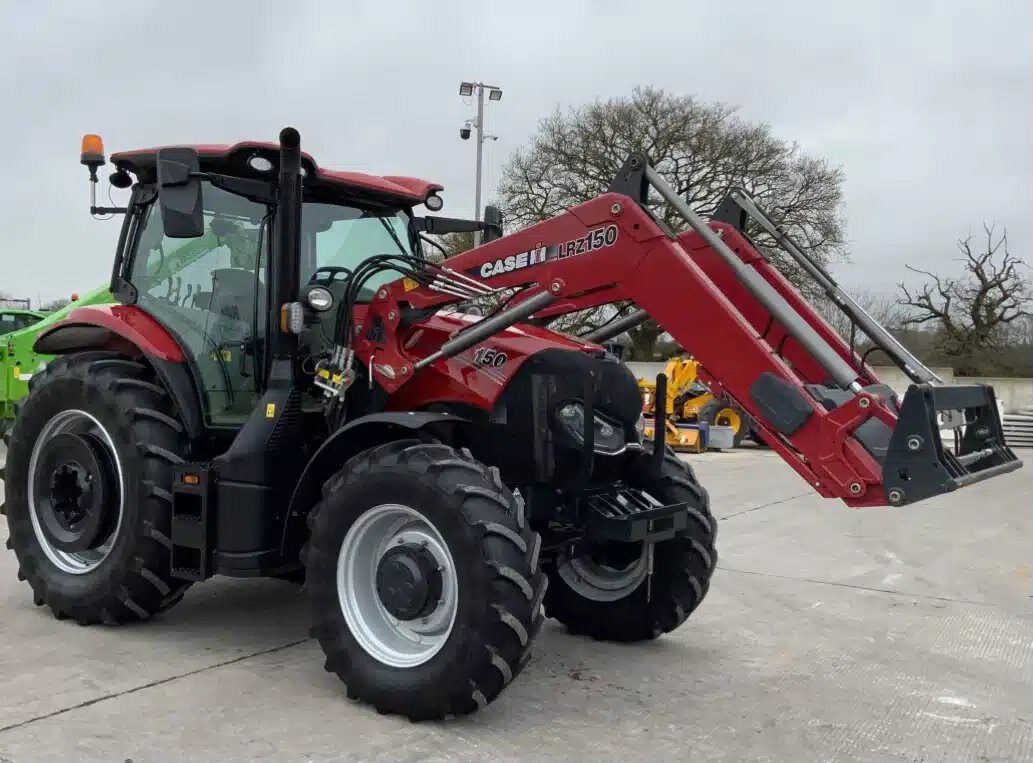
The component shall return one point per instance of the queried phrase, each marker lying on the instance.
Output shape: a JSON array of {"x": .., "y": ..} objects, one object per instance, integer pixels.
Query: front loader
[{"x": 288, "y": 387}]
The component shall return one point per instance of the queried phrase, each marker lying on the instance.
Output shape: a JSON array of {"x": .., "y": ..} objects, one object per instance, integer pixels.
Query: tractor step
[
  {"x": 631, "y": 516},
  {"x": 192, "y": 528}
]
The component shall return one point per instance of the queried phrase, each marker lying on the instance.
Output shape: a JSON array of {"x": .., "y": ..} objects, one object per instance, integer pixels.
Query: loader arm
[{"x": 819, "y": 407}]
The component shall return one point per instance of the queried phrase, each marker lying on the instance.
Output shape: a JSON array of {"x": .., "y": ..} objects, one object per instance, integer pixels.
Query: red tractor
[{"x": 288, "y": 387}]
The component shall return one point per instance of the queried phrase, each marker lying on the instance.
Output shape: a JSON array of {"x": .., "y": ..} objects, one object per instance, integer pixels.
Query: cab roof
[{"x": 234, "y": 160}]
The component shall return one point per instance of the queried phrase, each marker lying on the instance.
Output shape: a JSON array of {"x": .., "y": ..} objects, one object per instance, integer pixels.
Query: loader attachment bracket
[
  {"x": 917, "y": 464},
  {"x": 631, "y": 179}
]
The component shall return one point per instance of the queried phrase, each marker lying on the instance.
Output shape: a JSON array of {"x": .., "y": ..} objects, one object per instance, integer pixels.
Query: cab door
[{"x": 210, "y": 293}]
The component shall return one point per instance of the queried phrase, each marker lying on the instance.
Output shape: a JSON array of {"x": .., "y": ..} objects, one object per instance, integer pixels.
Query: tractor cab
[
  {"x": 208, "y": 282},
  {"x": 195, "y": 254}
]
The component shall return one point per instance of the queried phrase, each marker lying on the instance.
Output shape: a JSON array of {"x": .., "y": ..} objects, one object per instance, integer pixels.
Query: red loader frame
[{"x": 814, "y": 401}]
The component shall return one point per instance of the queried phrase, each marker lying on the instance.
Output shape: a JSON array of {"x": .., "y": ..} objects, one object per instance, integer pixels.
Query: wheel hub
[
  {"x": 408, "y": 581},
  {"x": 76, "y": 491}
]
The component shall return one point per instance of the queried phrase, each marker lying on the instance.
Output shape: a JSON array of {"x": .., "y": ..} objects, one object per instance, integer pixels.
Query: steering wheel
[{"x": 332, "y": 272}]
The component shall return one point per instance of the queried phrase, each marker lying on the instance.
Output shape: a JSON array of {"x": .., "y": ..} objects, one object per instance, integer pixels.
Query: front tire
[
  {"x": 606, "y": 592},
  {"x": 89, "y": 469},
  {"x": 423, "y": 580}
]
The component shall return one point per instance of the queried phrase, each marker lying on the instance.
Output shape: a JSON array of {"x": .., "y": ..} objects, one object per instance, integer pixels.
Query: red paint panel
[
  {"x": 130, "y": 323},
  {"x": 461, "y": 379},
  {"x": 413, "y": 190},
  {"x": 415, "y": 186}
]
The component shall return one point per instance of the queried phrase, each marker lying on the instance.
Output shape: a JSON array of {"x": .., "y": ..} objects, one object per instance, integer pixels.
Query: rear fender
[
  {"x": 110, "y": 327},
  {"x": 353, "y": 438},
  {"x": 129, "y": 330}
]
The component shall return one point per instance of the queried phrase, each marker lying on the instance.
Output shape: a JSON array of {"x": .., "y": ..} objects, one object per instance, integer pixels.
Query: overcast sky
[{"x": 928, "y": 106}]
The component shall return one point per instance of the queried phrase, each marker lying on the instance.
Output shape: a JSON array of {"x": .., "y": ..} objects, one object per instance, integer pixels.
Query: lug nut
[
  {"x": 914, "y": 443},
  {"x": 896, "y": 496},
  {"x": 855, "y": 488},
  {"x": 615, "y": 209},
  {"x": 864, "y": 402}
]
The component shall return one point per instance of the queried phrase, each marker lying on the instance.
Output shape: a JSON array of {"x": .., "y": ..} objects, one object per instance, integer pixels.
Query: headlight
[
  {"x": 319, "y": 298},
  {"x": 608, "y": 436}
]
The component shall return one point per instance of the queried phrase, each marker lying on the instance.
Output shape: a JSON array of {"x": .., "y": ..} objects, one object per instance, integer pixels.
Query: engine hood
[{"x": 477, "y": 376}]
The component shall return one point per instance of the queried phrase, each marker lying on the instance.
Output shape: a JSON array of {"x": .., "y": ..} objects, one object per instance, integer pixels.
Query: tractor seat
[{"x": 233, "y": 294}]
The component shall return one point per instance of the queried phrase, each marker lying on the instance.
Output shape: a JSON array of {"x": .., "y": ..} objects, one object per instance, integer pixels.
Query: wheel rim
[
  {"x": 727, "y": 417},
  {"x": 602, "y": 579},
  {"x": 369, "y": 546},
  {"x": 58, "y": 512}
]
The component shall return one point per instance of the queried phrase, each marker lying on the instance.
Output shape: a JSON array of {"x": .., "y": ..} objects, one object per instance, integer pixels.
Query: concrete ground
[{"x": 829, "y": 634}]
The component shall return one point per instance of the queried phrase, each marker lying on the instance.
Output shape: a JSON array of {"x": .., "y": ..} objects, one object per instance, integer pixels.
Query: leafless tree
[
  {"x": 974, "y": 312},
  {"x": 882, "y": 308},
  {"x": 56, "y": 304},
  {"x": 453, "y": 244},
  {"x": 702, "y": 149}
]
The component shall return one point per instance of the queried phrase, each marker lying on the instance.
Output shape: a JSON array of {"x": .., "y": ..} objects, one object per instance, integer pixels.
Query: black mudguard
[{"x": 350, "y": 440}]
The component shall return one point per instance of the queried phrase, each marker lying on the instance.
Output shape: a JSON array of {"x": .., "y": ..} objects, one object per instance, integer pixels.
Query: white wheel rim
[
  {"x": 400, "y": 644},
  {"x": 601, "y": 582},
  {"x": 77, "y": 422}
]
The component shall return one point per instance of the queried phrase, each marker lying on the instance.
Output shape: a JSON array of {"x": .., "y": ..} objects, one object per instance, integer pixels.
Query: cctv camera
[{"x": 464, "y": 133}]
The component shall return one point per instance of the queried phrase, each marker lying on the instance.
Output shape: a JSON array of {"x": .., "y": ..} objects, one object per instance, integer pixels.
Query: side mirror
[
  {"x": 179, "y": 192},
  {"x": 492, "y": 223}
]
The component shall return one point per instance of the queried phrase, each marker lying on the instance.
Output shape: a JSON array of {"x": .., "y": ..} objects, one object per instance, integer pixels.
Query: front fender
[{"x": 350, "y": 440}]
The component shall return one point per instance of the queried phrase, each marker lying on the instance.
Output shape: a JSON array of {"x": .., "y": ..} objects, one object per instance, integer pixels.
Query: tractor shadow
[{"x": 225, "y": 615}]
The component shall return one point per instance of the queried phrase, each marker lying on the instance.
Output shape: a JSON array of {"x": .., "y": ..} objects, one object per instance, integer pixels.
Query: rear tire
[
  {"x": 117, "y": 405},
  {"x": 485, "y": 610},
  {"x": 590, "y": 598}
]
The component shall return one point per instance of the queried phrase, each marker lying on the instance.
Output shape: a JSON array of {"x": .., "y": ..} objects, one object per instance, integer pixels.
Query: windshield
[{"x": 344, "y": 237}]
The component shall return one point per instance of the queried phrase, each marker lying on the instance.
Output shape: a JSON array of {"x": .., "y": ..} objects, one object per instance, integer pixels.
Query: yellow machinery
[{"x": 689, "y": 402}]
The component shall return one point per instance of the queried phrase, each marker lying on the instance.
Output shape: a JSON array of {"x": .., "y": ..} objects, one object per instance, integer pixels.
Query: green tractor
[
  {"x": 18, "y": 363},
  {"x": 17, "y": 314}
]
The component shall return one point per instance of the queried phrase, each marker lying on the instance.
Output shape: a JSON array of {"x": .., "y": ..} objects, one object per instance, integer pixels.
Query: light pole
[{"x": 494, "y": 94}]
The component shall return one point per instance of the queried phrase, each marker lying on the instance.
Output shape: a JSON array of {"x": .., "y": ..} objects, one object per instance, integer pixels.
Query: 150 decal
[
  {"x": 600, "y": 238},
  {"x": 489, "y": 356}
]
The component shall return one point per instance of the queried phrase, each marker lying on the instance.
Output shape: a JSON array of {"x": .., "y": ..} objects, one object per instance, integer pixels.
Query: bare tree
[
  {"x": 453, "y": 244},
  {"x": 56, "y": 304},
  {"x": 701, "y": 149},
  {"x": 882, "y": 308},
  {"x": 974, "y": 312}
]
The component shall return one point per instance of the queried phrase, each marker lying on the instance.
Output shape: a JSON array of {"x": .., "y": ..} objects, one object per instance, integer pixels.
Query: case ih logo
[{"x": 600, "y": 238}]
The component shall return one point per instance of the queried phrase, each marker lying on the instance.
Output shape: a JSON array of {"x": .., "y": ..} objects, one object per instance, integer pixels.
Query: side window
[
  {"x": 210, "y": 292},
  {"x": 7, "y": 324},
  {"x": 24, "y": 321}
]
